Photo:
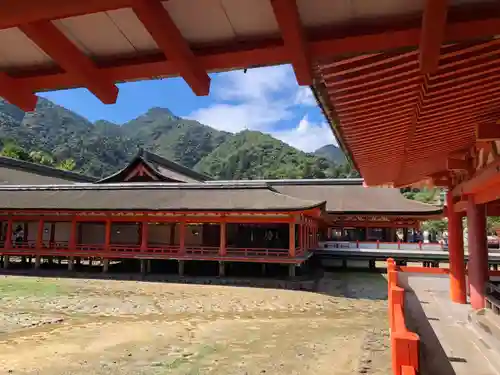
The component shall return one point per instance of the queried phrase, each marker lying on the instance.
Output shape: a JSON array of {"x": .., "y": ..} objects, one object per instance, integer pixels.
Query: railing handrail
[{"x": 405, "y": 344}]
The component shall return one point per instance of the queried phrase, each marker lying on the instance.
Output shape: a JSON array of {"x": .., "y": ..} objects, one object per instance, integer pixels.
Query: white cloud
[
  {"x": 238, "y": 117},
  {"x": 305, "y": 97},
  {"x": 307, "y": 136},
  {"x": 261, "y": 99}
]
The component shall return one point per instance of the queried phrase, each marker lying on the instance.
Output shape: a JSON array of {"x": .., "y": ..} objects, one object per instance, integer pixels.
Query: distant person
[{"x": 18, "y": 236}]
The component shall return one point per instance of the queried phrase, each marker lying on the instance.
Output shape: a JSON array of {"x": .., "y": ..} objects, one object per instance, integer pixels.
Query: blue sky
[{"x": 265, "y": 99}]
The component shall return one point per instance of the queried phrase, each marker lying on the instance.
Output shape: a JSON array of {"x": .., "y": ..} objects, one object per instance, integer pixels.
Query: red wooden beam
[
  {"x": 270, "y": 52},
  {"x": 170, "y": 40},
  {"x": 16, "y": 93},
  {"x": 50, "y": 39},
  {"x": 288, "y": 18},
  {"x": 457, "y": 164},
  {"x": 433, "y": 32},
  {"x": 17, "y": 12},
  {"x": 488, "y": 132}
]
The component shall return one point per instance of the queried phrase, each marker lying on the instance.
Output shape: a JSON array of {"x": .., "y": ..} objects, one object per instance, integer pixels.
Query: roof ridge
[
  {"x": 45, "y": 170},
  {"x": 134, "y": 186},
  {"x": 155, "y": 158}
]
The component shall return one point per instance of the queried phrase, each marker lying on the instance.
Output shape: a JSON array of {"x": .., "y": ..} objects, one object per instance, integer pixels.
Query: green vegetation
[
  {"x": 53, "y": 135},
  {"x": 20, "y": 287},
  {"x": 12, "y": 150}
]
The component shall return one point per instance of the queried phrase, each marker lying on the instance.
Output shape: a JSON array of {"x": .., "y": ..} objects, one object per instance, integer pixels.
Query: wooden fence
[{"x": 404, "y": 344}]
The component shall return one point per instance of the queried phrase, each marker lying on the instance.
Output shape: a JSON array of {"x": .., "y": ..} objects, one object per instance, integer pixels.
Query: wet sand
[{"x": 53, "y": 326}]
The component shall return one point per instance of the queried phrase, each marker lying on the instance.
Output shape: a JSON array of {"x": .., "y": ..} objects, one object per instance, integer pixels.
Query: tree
[
  {"x": 68, "y": 165},
  {"x": 13, "y": 151}
]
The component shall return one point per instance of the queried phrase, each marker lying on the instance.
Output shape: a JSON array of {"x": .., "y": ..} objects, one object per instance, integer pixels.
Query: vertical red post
[
  {"x": 301, "y": 236},
  {"x": 73, "y": 235},
  {"x": 478, "y": 252},
  {"x": 107, "y": 235},
  {"x": 39, "y": 235},
  {"x": 458, "y": 291},
  {"x": 222, "y": 247},
  {"x": 291, "y": 247},
  {"x": 144, "y": 235},
  {"x": 182, "y": 237},
  {"x": 8, "y": 235}
]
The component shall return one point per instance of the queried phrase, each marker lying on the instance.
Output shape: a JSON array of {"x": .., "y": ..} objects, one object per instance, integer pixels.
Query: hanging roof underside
[
  {"x": 96, "y": 43},
  {"x": 400, "y": 126}
]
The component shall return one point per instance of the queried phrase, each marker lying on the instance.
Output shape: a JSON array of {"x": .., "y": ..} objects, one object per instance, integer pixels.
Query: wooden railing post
[{"x": 405, "y": 351}]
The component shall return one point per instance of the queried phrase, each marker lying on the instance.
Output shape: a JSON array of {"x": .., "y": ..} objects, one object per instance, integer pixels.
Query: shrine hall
[{"x": 154, "y": 209}]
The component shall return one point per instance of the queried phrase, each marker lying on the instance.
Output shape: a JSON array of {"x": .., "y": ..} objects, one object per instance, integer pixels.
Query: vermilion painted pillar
[
  {"x": 107, "y": 235},
  {"x": 39, "y": 235},
  {"x": 301, "y": 236},
  {"x": 222, "y": 247},
  {"x": 291, "y": 248},
  {"x": 478, "y": 252},
  {"x": 73, "y": 235},
  {"x": 144, "y": 236},
  {"x": 458, "y": 290},
  {"x": 8, "y": 235},
  {"x": 182, "y": 237}
]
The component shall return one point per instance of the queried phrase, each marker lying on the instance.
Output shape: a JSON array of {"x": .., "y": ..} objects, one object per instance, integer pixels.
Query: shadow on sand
[{"x": 356, "y": 284}]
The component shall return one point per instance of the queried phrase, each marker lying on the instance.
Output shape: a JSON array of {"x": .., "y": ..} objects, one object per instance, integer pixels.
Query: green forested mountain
[
  {"x": 100, "y": 148},
  {"x": 332, "y": 153}
]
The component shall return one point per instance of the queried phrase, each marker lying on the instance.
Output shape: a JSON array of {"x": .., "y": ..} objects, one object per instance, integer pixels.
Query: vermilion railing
[
  {"x": 252, "y": 252},
  {"x": 398, "y": 245},
  {"x": 62, "y": 248},
  {"x": 404, "y": 344}
]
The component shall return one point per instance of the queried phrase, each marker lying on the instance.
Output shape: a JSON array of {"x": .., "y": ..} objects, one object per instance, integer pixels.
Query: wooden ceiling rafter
[
  {"x": 169, "y": 39},
  {"x": 321, "y": 45},
  {"x": 432, "y": 35},
  {"x": 446, "y": 105},
  {"x": 287, "y": 15},
  {"x": 67, "y": 55}
]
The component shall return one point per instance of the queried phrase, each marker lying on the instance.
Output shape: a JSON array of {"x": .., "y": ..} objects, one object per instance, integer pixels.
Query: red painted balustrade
[
  {"x": 159, "y": 251},
  {"x": 404, "y": 344}
]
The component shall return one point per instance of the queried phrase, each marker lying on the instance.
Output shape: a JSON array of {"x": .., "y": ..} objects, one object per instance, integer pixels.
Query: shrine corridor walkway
[{"x": 450, "y": 343}]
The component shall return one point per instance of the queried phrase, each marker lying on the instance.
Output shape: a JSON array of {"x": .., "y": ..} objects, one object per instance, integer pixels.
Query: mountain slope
[
  {"x": 178, "y": 139},
  {"x": 101, "y": 148},
  {"x": 332, "y": 153},
  {"x": 254, "y": 155}
]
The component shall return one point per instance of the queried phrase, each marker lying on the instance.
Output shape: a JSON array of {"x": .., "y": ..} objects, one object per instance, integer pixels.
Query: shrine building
[{"x": 155, "y": 209}]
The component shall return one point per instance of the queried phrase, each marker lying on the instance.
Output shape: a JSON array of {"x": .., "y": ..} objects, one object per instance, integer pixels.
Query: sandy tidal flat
[{"x": 82, "y": 327}]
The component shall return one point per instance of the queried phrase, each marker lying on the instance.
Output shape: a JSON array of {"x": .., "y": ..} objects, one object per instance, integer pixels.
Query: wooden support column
[
  {"x": 107, "y": 235},
  {"x": 73, "y": 235},
  {"x": 144, "y": 236},
  {"x": 39, "y": 235},
  {"x": 458, "y": 291},
  {"x": 172, "y": 234},
  {"x": 478, "y": 252},
  {"x": 291, "y": 247},
  {"x": 222, "y": 248},
  {"x": 301, "y": 237},
  {"x": 8, "y": 234},
  {"x": 182, "y": 236}
]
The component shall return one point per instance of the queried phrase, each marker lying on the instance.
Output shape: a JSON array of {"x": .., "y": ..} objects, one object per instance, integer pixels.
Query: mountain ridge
[{"x": 102, "y": 147}]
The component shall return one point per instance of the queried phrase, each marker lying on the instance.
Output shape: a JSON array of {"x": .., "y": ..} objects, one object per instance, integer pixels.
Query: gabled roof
[
  {"x": 14, "y": 171},
  {"x": 151, "y": 197},
  {"x": 348, "y": 196},
  {"x": 161, "y": 169},
  {"x": 361, "y": 200}
]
